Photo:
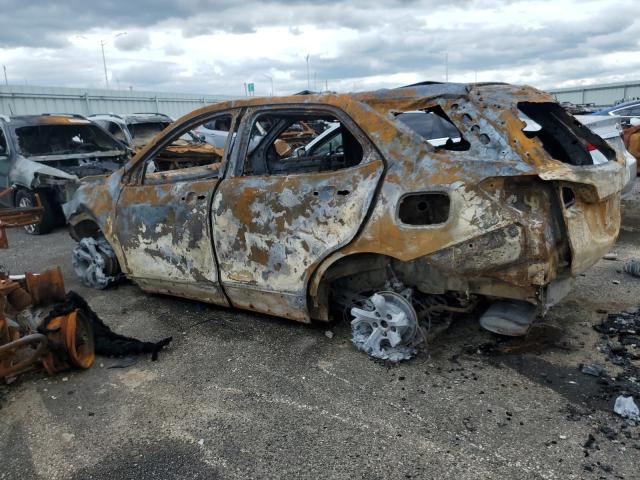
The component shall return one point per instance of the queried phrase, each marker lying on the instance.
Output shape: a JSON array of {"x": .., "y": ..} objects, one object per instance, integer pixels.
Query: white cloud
[{"x": 214, "y": 47}]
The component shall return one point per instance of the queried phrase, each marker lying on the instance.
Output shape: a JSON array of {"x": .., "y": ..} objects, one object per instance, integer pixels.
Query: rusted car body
[
  {"x": 632, "y": 140},
  {"x": 502, "y": 213}
]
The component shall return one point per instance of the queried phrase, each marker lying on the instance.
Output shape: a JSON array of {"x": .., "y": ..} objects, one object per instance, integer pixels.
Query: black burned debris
[{"x": 621, "y": 345}]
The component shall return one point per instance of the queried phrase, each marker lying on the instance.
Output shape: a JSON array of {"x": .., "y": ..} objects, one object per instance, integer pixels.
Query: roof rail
[
  {"x": 53, "y": 114},
  {"x": 419, "y": 84},
  {"x": 109, "y": 114}
]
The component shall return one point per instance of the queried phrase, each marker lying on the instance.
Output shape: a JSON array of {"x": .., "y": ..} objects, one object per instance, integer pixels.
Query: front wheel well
[{"x": 83, "y": 226}]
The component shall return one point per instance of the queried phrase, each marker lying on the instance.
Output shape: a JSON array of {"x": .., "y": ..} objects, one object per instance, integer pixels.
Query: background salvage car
[
  {"x": 395, "y": 220},
  {"x": 47, "y": 154}
]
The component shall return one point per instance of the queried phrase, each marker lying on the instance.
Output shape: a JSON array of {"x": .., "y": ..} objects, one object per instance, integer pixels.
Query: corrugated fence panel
[
  {"x": 602, "y": 95},
  {"x": 27, "y": 99}
]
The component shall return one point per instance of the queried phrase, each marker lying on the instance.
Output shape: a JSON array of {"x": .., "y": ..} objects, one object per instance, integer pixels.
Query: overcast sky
[{"x": 214, "y": 47}]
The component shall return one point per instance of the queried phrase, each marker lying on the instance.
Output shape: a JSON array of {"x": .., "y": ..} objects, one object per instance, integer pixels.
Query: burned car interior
[
  {"x": 278, "y": 151},
  {"x": 62, "y": 139}
]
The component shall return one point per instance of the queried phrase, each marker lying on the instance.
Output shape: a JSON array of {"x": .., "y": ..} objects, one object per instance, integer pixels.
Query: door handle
[{"x": 191, "y": 197}]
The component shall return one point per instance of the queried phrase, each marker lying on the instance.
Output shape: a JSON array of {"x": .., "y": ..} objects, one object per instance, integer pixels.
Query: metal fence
[
  {"x": 26, "y": 100},
  {"x": 602, "y": 95}
]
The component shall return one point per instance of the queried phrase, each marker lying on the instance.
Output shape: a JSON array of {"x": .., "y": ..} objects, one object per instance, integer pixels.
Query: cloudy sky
[{"x": 215, "y": 46}]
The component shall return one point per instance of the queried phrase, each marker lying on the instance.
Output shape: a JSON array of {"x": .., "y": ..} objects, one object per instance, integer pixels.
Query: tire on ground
[{"x": 27, "y": 198}]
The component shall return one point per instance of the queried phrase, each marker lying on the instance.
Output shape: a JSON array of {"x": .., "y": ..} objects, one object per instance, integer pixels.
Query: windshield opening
[{"x": 64, "y": 139}]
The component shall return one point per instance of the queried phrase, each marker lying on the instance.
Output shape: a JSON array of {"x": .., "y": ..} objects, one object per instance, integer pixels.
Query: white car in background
[
  {"x": 437, "y": 130},
  {"x": 610, "y": 129},
  {"x": 214, "y": 132}
]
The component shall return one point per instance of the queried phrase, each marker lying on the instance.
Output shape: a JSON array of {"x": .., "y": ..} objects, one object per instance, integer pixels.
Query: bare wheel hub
[
  {"x": 386, "y": 327},
  {"x": 94, "y": 261}
]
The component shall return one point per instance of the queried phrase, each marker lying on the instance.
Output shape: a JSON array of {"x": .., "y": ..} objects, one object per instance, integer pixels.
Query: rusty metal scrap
[
  {"x": 67, "y": 340},
  {"x": 515, "y": 212},
  {"x": 17, "y": 217}
]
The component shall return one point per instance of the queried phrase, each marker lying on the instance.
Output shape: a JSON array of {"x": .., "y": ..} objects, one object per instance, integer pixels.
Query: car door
[
  {"x": 163, "y": 220},
  {"x": 275, "y": 220}
]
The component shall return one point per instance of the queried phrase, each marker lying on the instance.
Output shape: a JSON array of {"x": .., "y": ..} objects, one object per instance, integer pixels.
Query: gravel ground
[{"x": 240, "y": 395}]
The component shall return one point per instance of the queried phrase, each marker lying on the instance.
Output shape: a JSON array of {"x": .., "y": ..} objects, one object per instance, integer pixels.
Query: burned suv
[
  {"x": 417, "y": 203},
  {"x": 48, "y": 154}
]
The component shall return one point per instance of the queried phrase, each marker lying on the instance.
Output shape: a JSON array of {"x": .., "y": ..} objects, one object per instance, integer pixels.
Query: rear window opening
[
  {"x": 434, "y": 126},
  {"x": 562, "y": 136}
]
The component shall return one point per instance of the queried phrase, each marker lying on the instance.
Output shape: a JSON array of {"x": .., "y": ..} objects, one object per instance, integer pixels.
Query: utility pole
[
  {"x": 104, "y": 59},
  {"x": 104, "y": 64},
  {"x": 4, "y": 67},
  {"x": 308, "y": 78},
  {"x": 270, "y": 78},
  {"x": 245, "y": 89},
  {"x": 315, "y": 81},
  {"x": 446, "y": 67}
]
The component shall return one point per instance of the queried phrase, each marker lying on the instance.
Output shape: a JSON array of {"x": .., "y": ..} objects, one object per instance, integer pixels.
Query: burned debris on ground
[{"x": 40, "y": 324}]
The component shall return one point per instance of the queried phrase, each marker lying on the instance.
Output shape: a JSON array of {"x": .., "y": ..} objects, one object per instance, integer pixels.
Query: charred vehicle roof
[
  {"x": 425, "y": 201},
  {"x": 134, "y": 129}
]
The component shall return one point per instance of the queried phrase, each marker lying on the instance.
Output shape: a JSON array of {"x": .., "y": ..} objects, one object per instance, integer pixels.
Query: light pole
[
  {"x": 308, "y": 78},
  {"x": 270, "y": 78},
  {"x": 104, "y": 60}
]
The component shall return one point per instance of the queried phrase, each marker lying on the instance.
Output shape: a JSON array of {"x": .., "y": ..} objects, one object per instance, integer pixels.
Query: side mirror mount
[
  {"x": 299, "y": 152},
  {"x": 635, "y": 121}
]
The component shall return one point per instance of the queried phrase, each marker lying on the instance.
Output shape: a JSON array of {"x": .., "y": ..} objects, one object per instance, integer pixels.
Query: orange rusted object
[
  {"x": 69, "y": 342},
  {"x": 632, "y": 141},
  {"x": 69, "y": 338},
  {"x": 17, "y": 217},
  {"x": 74, "y": 334}
]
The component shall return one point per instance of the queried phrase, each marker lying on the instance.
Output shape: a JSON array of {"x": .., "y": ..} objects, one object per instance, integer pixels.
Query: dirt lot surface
[{"x": 239, "y": 395}]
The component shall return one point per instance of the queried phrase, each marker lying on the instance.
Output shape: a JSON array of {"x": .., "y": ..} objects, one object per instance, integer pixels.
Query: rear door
[
  {"x": 163, "y": 220},
  {"x": 279, "y": 212}
]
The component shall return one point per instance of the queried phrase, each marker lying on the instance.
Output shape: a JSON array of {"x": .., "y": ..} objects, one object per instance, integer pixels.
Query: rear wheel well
[{"x": 369, "y": 270}]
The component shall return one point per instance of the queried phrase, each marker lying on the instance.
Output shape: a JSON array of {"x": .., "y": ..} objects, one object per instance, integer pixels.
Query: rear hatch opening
[{"x": 563, "y": 137}]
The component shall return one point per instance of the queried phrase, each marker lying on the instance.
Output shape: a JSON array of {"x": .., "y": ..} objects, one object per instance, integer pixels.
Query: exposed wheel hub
[
  {"x": 94, "y": 261},
  {"x": 386, "y": 327}
]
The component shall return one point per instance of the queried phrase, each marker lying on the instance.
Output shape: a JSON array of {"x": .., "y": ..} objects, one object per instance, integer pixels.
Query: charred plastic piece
[
  {"x": 509, "y": 317},
  {"x": 95, "y": 263}
]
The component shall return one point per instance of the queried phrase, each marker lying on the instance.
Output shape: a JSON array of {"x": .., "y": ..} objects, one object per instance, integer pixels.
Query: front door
[
  {"x": 282, "y": 210},
  {"x": 163, "y": 220}
]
